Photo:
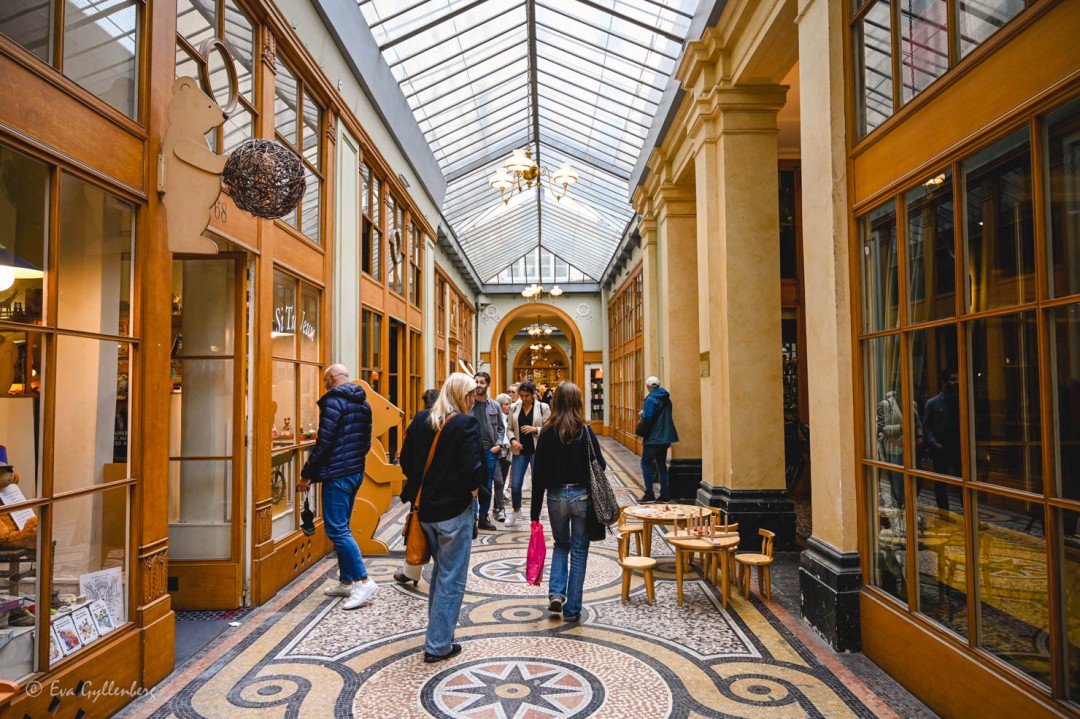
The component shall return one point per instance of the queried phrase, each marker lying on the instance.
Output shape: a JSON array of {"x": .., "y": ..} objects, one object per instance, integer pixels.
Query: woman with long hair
[
  {"x": 561, "y": 469},
  {"x": 525, "y": 422},
  {"x": 449, "y": 486}
]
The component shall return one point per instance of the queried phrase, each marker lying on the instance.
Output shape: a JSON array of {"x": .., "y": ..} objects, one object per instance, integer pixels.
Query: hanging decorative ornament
[{"x": 264, "y": 178}]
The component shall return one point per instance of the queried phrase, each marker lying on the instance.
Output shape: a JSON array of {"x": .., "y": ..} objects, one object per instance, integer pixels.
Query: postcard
[
  {"x": 99, "y": 611},
  {"x": 56, "y": 652},
  {"x": 84, "y": 624},
  {"x": 67, "y": 634}
]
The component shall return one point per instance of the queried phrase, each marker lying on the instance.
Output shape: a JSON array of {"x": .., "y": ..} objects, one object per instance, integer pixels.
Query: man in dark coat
[
  {"x": 337, "y": 461},
  {"x": 660, "y": 434}
]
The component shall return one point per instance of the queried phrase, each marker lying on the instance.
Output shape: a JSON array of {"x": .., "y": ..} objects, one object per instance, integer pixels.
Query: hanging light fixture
[
  {"x": 13, "y": 267},
  {"x": 520, "y": 172},
  {"x": 535, "y": 292}
]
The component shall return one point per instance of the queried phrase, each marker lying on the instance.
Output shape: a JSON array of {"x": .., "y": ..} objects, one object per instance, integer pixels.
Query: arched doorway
[
  {"x": 518, "y": 318},
  {"x": 542, "y": 361}
]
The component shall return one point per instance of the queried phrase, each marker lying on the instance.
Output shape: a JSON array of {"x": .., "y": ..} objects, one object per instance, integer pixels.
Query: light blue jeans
[
  {"x": 451, "y": 544},
  {"x": 338, "y": 498},
  {"x": 518, "y": 465},
  {"x": 568, "y": 509}
]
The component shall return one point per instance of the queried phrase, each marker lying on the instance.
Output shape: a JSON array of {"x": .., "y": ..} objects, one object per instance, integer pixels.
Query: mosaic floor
[{"x": 302, "y": 655}]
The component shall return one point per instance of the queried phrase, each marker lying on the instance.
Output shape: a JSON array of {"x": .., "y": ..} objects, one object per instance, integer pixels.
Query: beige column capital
[
  {"x": 647, "y": 227},
  {"x": 675, "y": 201},
  {"x": 735, "y": 109}
]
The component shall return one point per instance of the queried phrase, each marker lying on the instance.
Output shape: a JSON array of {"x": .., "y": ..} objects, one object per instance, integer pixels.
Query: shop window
[
  {"x": 22, "y": 372},
  {"x": 396, "y": 252},
  {"x": 296, "y": 388},
  {"x": 440, "y": 305},
  {"x": 979, "y": 19},
  {"x": 370, "y": 348},
  {"x": 30, "y": 24},
  {"x": 872, "y": 36},
  {"x": 942, "y": 547},
  {"x": 1065, "y": 344},
  {"x": 888, "y": 545},
  {"x": 999, "y": 225},
  {"x": 1068, "y": 542},
  {"x": 931, "y": 249},
  {"x": 789, "y": 256},
  {"x": 416, "y": 370},
  {"x": 298, "y": 123},
  {"x": 24, "y": 232},
  {"x": 1004, "y": 401},
  {"x": 1063, "y": 199},
  {"x": 935, "y": 384},
  {"x": 371, "y": 234},
  {"x": 881, "y": 291},
  {"x": 924, "y": 44},
  {"x": 416, "y": 264},
  {"x": 1014, "y": 615},
  {"x": 887, "y": 421}
]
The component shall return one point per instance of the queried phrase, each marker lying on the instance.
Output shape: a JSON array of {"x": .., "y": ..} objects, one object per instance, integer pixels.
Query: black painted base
[
  {"x": 830, "y": 582},
  {"x": 684, "y": 478},
  {"x": 755, "y": 509}
]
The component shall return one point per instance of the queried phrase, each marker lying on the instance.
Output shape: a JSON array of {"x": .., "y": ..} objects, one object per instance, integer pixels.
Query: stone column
[
  {"x": 677, "y": 307},
  {"x": 651, "y": 287},
  {"x": 734, "y": 130},
  {"x": 830, "y": 577}
]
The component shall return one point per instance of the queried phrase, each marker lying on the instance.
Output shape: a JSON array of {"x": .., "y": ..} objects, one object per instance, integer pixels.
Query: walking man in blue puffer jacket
[{"x": 337, "y": 461}]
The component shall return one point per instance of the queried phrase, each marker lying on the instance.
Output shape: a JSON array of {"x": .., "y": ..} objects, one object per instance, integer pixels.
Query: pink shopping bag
[{"x": 534, "y": 561}]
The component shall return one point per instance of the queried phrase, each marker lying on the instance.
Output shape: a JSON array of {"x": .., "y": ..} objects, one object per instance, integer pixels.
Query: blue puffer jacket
[
  {"x": 344, "y": 434},
  {"x": 657, "y": 413}
]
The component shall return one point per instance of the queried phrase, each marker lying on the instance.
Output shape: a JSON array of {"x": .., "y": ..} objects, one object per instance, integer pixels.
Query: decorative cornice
[
  {"x": 155, "y": 575},
  {"x": 269, "y": 53}
]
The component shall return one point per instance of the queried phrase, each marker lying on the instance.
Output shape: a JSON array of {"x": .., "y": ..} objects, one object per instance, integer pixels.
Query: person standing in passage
[
  {"x": 504, "y": 461},
  {"x": 941, "y": 430},
  {"x": 413, "y": 572},
  {"x": 562, "y": 470},
  {"x": 446, "y": 503},
  {"x": 337, "y": 461},
  {"x": 659, "y": 436},
  {"x": 492, "y": 434},
  {"x": 525, "y": 424}
]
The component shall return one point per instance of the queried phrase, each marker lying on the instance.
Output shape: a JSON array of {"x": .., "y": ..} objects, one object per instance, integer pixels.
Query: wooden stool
[
  {"x": 746, "y": 562},
  {"x": 645, "y": 565},
  {"x": 634, "y": 528}
]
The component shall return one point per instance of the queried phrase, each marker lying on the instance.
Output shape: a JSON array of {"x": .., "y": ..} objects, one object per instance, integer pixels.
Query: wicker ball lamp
[{"x": 264, "y": 178}]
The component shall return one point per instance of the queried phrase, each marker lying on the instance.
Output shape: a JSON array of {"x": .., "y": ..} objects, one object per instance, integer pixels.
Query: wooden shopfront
[
  {"x": 626, "y": 338},
  {"x": 964, "y": 175}
]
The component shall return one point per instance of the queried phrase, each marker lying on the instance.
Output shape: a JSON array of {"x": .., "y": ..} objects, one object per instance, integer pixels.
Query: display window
[
  {"x": 970, "y": 407},
  {"x": 98, "y": 48},
  {"x": 296, "y": 339},
  {"x": 298, "y": 124},
  {"x": 416, "y": 263},
  {"x": 371, "y": 360}
]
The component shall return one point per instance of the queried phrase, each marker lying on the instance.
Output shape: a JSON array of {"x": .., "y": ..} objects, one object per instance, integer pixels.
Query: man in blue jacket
[
  {"x": 337, "y": 461},
  {"x": 659, "y": 435}
]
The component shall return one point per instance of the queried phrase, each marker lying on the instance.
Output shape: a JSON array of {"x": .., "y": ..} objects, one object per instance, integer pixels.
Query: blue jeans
[
  {"x": 518, "y": 465},
  {"x": 338, "y": 497},
  {"x": 568, "y": 509},
  {"x": 483, "y": 499},
  {"x": 654, "y": 461},
  {"x": 451, "y": 544}
]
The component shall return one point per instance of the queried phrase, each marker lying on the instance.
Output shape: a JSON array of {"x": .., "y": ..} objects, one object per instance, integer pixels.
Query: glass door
[{"x": 205, "y": 435}]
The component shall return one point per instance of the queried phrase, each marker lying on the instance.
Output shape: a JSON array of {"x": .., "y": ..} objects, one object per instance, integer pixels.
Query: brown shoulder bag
[{"x": 417, "y": 551}]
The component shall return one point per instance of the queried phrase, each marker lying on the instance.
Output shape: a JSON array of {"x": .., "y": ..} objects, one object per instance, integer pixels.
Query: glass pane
[
  {"x": 1063, "y": 199},
  {"x": 91, "y": 407},
  {"x": 881, "y": 293},
  {"x": 311, "y": 389},
  {"x": 206, "y": 294},
  {"x": 1065, "y": 384},
  {"x": 1069, "y": 551},
  {"x": 101, "y": 46},
  {"x": 94, "y": 264},
  {"x": 884, "y": 417},
  {"x": 201, "y": 416},
  {"x": 186, "y": 66},
  {"x": 196, "y": 20},
  {"x": 237, "y": 128},
  {"x": 935, "y": 388},
  {"x": 312, "y": 114},
  {"x": 30, "y": 24},
  {"x": 285, "y": 103},
  {"x": 283, "y": 492},
  {"x": 283, "y": 328},
  {"x": 979, "y": 19},
  {"x": 999, "y": 229},
  {"x": 311, "y": 206},
  {"x": 19, "y": 562},
  {"x": 931, "y": 250},
  {"x": 284, "y": 393},
  {"x": 1013, "y": 612},
  {"x": 24, "y": 206},
  {"x": 872, "y": 36},
  {"x": 1004, "y": 396},
  {"x": 90, "y": 567},
  {"x": 942, "y": 554},
  {"x": 240, "y": 37},
  {"x": 21, "y": 375},
  {"x": 310, "y": 339},
  {"x": 200, "y": 509},
  {"x": 376, "y": 203},
  {"x": 924, "y": 44},
  {"x": 888, "y": 531}
]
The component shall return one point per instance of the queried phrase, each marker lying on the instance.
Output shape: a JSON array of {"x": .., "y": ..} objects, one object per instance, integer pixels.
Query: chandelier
[
  {"x": 535, "y": 291},
  {"x": 520, "y": 172},
  {"x": 539, "y": 330}
]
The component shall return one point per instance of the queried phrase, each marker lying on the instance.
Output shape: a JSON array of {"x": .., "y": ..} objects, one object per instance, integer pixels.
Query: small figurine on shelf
[
  {"x": 274, "y": 434},
  {"x": 309, "y": 433},
  {"x": 286, "y": 429}
]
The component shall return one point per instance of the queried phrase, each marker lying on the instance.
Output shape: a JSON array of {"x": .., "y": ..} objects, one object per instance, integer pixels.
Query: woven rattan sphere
[{"x": 264, "y": 178}]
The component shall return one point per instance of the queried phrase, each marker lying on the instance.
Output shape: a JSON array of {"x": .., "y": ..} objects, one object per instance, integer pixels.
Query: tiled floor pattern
[{"x": 301, "y": 655}]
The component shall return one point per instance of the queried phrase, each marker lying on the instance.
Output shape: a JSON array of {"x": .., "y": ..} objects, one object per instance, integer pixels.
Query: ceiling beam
[
  {"x": 427, "y": 26},
  {"x": 633, "y": 21},
  {"x": 534, "y": 94}
]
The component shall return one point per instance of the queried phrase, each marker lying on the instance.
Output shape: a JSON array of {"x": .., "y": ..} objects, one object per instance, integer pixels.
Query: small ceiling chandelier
[
  {"x": 540, "y": 330},
  {"x": 535, "y": 291},
  {"x": 520, "y": 172}
]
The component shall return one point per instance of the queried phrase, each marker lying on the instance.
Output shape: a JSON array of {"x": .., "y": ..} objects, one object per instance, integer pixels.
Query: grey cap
[{"x": 652, "y": 382}]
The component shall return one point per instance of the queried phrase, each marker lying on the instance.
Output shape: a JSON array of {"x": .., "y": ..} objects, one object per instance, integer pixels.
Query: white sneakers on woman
[
  {"x": 358, "y": 593},
  {"x": 513, "y": 518}
]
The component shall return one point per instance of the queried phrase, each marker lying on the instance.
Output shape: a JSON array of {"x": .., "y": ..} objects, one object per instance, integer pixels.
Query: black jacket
[
  {"x": 556, "y": 464},
  {"x": 457, "y": 469},
  {"x": 344, "y": 435}
]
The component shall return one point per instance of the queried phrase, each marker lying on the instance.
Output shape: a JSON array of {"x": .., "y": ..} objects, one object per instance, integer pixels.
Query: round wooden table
[{"x": 653, "y": 514}]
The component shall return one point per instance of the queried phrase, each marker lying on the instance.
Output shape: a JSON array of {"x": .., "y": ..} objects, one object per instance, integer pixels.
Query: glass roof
[{"x": 578, "y": 81}]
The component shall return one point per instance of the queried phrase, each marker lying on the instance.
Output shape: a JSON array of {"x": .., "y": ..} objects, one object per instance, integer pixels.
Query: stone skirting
[
  {"x": 830, "y": 582},
  {"x": 755, "y": 509}
]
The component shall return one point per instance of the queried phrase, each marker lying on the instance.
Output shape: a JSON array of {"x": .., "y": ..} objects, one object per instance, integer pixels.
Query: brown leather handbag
[{"x": 417, "y": 551}]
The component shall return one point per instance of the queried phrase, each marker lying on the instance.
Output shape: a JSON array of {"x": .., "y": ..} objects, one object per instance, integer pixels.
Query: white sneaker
[
  {"x": 360, "y": 595},
  {"x": 339, "y": 590},
  {"x": 514, "y": 517}
]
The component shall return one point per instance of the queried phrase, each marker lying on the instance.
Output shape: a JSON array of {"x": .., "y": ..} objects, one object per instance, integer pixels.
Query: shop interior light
[{"x": 13, "y": 267}]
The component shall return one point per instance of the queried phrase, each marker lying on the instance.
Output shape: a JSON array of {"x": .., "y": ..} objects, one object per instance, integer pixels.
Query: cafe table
[{"x": 653, "y": 514}]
